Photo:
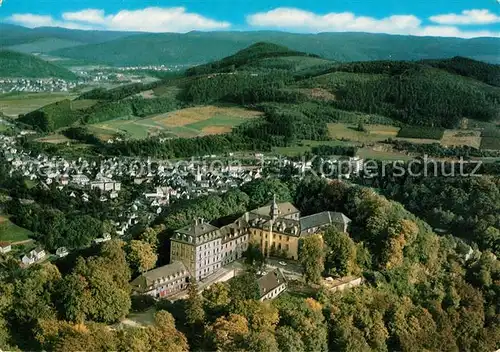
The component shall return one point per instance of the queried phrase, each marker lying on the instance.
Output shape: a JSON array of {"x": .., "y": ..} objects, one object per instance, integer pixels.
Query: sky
[{"x": 446, "y": 18}]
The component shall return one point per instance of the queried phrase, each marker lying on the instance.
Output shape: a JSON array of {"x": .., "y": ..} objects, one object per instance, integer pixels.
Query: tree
[
  {"x": 241, "y": 288},
  {"x": 341, "y": 253},
  {"x": 95, "y": 290},
  {"x": 163, "y": 336},
  {"x": 195, "y": 314},
  {"x": 262, "y": 341},
  {"x": 361, "y": 127},
  {"x": 289, "y": 340},
  {"x": 217, "y": 296},
  {"x": 261, "y": 191},
  {"x": 254, "y": 257},
  {"x": 312, "y": 257},
  {"x": 150, "y": 235},
  {"x": 228, "y": 333},
  {"x": 141, "y": 256},
  {"x": 134, "y": 340}
]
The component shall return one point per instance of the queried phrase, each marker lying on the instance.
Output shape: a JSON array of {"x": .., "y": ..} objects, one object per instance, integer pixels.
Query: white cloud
[
  {"x": 305, "y": 21},
  {"x": 467, "y": 17},
  {"x": 297, "y": 19},
  {"x": 88, "y": 16},
  {"x": 451, "y": 31},
  {"x": 150, "y": 19}
]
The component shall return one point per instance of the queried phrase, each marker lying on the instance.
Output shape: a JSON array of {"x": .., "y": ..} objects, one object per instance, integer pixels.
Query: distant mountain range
[
  {"x": 128, "y": 48},
  {"x": 14, "y": 64}
]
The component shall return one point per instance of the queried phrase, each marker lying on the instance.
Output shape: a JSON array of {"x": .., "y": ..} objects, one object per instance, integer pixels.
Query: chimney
[{"x": 196, "y": 221}]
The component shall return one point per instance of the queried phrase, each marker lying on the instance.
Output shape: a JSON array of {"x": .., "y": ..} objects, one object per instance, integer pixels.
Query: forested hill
[
  {"x": 482, "y": 71},
  {"x": 255, "y": 52},
  {"x": 13, "y": 64},
  {"x": 301, "y": 93},
  {"x": 203, "y": 47},
  {"x": 432, "y": 93}
]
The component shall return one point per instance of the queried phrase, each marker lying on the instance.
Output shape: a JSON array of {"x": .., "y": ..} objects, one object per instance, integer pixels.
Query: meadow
[
  {"x": 9, "y": 232},
  {"x": 187, "y": 123},
  {"x": 14, "y": 104}
]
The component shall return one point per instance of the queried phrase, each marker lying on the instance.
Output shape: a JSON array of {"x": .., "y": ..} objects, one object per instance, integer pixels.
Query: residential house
[
  {"x": 62, "y": 252},
  {"x": 271, "y": 285},
  {"x": 5, "y": 247},
  {"x": 33, "y": 256},
  {"x": 80, "y": 180},
  {"x": 105, "y": 238}
]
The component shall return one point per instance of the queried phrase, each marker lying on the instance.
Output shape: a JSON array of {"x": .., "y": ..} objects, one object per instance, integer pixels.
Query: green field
[
  {"x": 186, "y": 123},
  {"x": 9, "y": 232},
  {"x": 374, "y": 133},
  {"x": 13, "y": 104},
  {"x": 306, "y": 146},
  {"x": 492, "y": 143}
]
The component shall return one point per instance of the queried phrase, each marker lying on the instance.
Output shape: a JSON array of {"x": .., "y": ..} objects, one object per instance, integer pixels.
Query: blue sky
[{"x": 455, "y": 18}]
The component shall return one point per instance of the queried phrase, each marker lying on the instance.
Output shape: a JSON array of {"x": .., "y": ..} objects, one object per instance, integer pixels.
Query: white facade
[
  {"x": 273, "y": 293},
  {"x": 5, "y": 248}
]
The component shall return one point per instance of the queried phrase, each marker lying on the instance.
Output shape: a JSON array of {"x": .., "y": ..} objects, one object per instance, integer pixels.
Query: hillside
[
  {"x": 300, "y": 104},
  {"x": 248, "y": 56},
  {"x": 463, "y": 66},
  {"x": 13, "y": 64},
  {"x": 201, "y": 47},
  {"x": 45, "y": 39}
]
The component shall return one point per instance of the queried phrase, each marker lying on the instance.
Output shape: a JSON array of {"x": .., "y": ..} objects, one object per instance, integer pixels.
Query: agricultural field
[
  {"x": 490, "y": 138},
  {"x": 9, "y": 232},
  {"x": 13, "y": 104},
  {"x": 453, "y": 138},
  {"x": 306, "y": 146},
  {"x": 54, "y": 139},
  {"x": 421, "y": 132},
  {"x": 490, "y": 143},
  {"x": 374, "y": 133},
  {"x": 187, "y": 123}
]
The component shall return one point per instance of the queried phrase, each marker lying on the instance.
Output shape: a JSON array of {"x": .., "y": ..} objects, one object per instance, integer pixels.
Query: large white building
[{"x": 199, "y": 247}]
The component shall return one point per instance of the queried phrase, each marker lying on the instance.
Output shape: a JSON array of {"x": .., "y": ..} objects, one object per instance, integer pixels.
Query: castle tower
[
  {"x": 274, "y": 209},
  {"x": 273, "y": 213}
]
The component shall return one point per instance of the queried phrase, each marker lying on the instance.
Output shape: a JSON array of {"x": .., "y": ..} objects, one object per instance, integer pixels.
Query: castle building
[
  {"x": 199, "y": 250},
  {"x": 199, "y": 247},
  {"x": 163, "y": 281},
  {"x": 276, "y": 228}
]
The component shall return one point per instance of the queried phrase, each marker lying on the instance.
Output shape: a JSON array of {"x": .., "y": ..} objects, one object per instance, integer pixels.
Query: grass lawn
[
  {"x": 13, "y": 104},
  {"x": 374, "y": 133},
  {"x": 9, "y": 232},
  {"x": 367, "y": 153},
  {"x": 306, "y": 146}
]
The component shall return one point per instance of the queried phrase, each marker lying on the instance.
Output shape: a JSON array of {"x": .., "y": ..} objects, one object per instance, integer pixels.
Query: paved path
[{"x": 18, "y": 243}]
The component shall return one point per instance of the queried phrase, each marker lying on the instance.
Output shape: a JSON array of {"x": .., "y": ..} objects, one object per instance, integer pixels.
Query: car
[{"x": 282, "y": 263}]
